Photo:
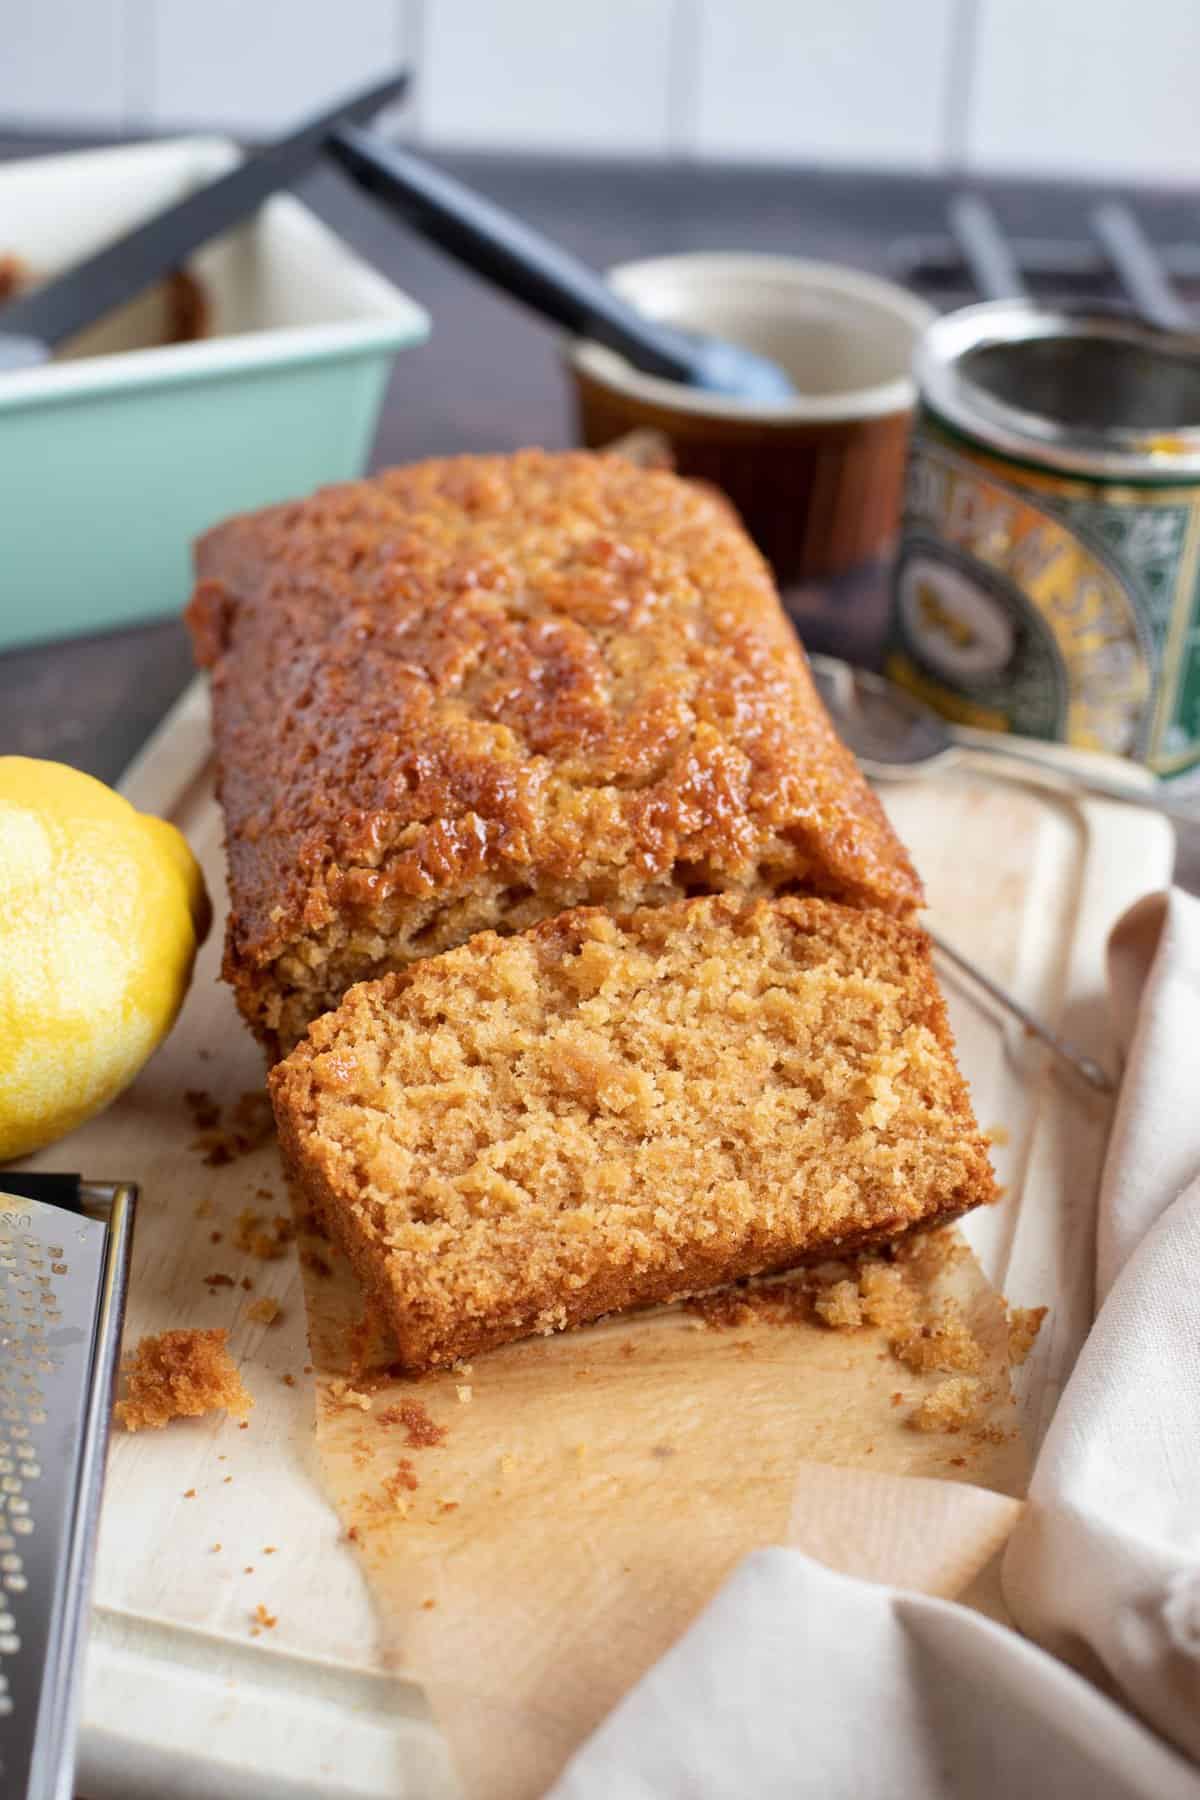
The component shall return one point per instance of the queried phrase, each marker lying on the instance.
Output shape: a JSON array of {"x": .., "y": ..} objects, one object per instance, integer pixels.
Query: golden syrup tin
[{"x": 1048, "y": 578}]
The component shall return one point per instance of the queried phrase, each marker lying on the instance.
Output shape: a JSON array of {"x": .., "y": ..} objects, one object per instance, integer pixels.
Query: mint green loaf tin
[{"x": 112, "y": 463}]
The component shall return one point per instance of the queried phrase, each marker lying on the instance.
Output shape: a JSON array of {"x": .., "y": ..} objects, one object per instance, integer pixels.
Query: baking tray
[{"x": 110, "y": 464}]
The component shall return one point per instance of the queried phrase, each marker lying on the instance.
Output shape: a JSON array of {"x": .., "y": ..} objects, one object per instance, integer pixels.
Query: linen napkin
[{"x": 801, "y": 1678}]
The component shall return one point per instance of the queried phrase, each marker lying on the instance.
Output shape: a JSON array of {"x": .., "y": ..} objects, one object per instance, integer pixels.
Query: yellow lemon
[{"x": 101, "y": 911}]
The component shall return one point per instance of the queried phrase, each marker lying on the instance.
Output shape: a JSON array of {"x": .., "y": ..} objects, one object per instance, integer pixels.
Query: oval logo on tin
[
  {"x": 1007, "y": 616},
  {"x": 960, "y": 629}
]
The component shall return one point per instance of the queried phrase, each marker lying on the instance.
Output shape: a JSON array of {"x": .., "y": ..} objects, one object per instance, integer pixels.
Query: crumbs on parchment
[
  {"x": 951, "y": 1406},
  {"x": 887, "y": 1290},
  {"x": 840, "y": 1305},
  {"x": 422, "y": 1432},
  {"x": 339, "y": 1396},
  {"x": 957, "y": 1405},
  {"x": 774, "y": 1302},
  {"x": 944, "y": 1343},
  {"x": 403, "y": 1479},
  {"x": 1024, "y": 1323}
]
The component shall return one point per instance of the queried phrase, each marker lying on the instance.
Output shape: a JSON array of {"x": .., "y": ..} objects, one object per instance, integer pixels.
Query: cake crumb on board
[
  {"x": 180, "y": 1374},
  {"x": 256, "y": 1235},
  {"x": 250, "y": 1126},
  {"x": 205, "y": 1111}
]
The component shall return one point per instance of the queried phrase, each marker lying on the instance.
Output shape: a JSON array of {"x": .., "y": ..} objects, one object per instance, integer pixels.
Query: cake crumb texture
[
  {"x": 944, "y": 1343},
  {"x": 839, "y": 1306},
  {"x": 527, "y": 1132},
  {"x": 473, "y": 692},
  {"x": 265, "y": 1238},
  {"x": 952, "y": 1405},
  {"x": 180, "y": 1374}
]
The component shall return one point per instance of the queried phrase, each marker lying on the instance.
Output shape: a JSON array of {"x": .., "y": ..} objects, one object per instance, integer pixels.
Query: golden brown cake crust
[
  {"x": 472, "y": 692},
  {"x": 528, "y": 1132}
]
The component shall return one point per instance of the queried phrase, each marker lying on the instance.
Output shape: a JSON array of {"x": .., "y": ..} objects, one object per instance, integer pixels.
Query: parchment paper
[
  {"x": 592, "y": 1491},
  {"x": 588, "y": 1497}
]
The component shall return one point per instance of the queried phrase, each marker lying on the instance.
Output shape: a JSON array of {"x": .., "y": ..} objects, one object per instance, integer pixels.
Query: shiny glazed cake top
[{"x": 531, "y": 666}]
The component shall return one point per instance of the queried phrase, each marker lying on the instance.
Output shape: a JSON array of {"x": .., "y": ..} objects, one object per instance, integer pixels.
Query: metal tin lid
[{"x": 1092, "y": 393}]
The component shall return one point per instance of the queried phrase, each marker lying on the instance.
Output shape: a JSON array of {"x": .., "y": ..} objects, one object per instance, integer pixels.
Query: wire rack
[{"x": 1116, "y": 264}]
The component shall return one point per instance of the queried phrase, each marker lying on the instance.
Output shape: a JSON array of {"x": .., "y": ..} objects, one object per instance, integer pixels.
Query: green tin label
[{"x": 1050, "y": 605}]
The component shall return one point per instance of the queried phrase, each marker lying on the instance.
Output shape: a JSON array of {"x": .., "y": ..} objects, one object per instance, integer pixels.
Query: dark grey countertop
[{"x": 489, "y": 377}]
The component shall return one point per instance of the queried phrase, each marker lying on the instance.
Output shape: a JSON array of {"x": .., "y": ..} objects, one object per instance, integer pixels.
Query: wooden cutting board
[{"x": 188, "y": 1690}]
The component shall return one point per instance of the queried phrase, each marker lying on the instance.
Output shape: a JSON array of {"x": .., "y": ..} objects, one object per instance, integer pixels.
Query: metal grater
[{"x": 64, "y": 1260}]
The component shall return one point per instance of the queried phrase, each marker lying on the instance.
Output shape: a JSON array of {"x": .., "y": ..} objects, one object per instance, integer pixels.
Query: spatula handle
[
  {"x": 61, "y": 307},
  {"x": 509, "y": 253}
]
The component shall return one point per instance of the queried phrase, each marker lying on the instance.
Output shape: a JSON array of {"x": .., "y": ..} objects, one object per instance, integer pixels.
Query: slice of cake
[
  {"x": 471, "y": 693},
  {"x": 527, "y": 1132}
]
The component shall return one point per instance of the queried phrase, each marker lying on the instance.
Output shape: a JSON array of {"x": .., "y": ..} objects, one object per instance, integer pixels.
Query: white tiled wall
[
  {"x": 540, "y": 74},
  {"x": 236, "y": 63},
  {"x": 841, "y": 83},
  {"x": 62, "y": 60},
  {"x": 1104, "y": 87}
]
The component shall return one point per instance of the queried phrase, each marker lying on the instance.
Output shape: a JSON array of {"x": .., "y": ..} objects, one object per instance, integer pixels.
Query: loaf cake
[
  {"x": 526, "y": 1132},
  {"x": 474, "y": 692}
]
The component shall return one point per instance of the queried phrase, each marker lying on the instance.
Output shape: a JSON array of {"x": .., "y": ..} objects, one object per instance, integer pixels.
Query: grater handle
[
  {"x": 52, "y": 1190},
  {"x": 116, "y": 1202}
]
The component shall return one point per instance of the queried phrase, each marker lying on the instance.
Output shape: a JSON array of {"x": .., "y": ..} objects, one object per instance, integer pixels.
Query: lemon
[{"x": 101, "y": 911}]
